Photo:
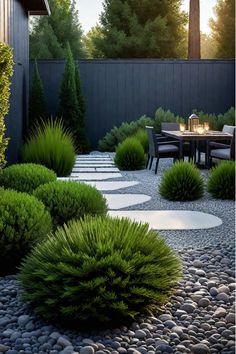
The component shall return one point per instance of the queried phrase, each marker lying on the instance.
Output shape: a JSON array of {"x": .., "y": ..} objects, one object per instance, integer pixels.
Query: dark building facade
[{"x": 14, "y": 30}]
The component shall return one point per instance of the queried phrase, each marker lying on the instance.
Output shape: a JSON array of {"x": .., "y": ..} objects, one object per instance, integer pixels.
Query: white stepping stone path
[
  {"x": 94, "y": 169},
  {"x": 93, "y": 176},
  {"x": 171, "y": 219},
  {"x": 111, "y": 185},
  {"x": 119, "y": 201}
]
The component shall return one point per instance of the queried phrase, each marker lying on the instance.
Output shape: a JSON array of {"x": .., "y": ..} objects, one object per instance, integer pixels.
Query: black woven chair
[
  {"x": 223, "y": 151},
  {"x": 160, "y": 147}
]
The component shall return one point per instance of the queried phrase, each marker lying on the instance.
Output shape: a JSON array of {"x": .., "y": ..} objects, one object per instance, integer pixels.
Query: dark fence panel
[{"x": 123, "y": 90}]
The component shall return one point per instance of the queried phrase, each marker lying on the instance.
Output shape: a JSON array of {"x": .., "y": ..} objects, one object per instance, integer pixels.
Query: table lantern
[{"x": 193, "y": 122}]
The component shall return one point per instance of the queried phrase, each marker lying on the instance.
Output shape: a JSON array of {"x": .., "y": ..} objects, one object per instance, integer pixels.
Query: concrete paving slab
[
  {"x": 171, "y": 219},
  {"x": 93, "y": 176},
  {"x": 112, "y": 185},
  {"x": 119, "y": 201}
]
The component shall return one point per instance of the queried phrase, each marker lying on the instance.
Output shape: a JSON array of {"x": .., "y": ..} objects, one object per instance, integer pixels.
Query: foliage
[
  {"x": 142, "y": 29},
  {"x": 221, "y": 183},
  {"x": 208, "y": 46},
  {"x": 37, "y": 100},
  {"x": 165, "y": 116},
  {"x": 92, "y": 51},
  {"x": 69, "y": 107},
  {"x": 51, "y": 145},
  {"x": 99, "y": 270},
  {"x": 181, "y": 182},
  {"x": 25, "y": 177},
  {"x": 6, "y": 71},
  {"x": 223, "y": 29},
  {"x": 71, "y": 200},
  {"x": 130, "y": 155},
  {"x": 23, "y": 222},
  {"x": 119, "y": 134},
  {"x": 217, "y": 122},
  {"x": 50, "y": 34},
  {"x": 142, "y": 137}
]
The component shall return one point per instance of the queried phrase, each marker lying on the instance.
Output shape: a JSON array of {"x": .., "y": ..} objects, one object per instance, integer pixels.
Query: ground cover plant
[
  {"x": 25, "y": 177},
  {"x": 130, "y": 155},
  {"x": 221, "y": 182},
  {"x": 24, "y": 221},
  {"x": 71, "y": 200},
  {"x": 181, "y": 182},
  {"x": 51, "y": 145},
  {"x": 99, "y": 270}
]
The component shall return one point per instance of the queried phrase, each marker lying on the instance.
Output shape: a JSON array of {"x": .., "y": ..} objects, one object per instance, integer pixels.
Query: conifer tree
[
  {"x": 142, "y": 29},
  {"x": 37, "y": 100}
]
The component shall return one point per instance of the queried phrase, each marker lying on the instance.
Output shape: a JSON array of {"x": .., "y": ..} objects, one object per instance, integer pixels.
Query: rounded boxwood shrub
[
  {"x": 71, "y": 200},
  {"x": 25, "y": 177},
  {"x": 221, "y": 183},
  {"x": 181, "y": 182},
  {"x": 52, "y": 145},
  {"x": 130, "y": 155},
  {"x": 142, "y": 137},
  {"x": 23, "y": 222},
  {"x": 101, "y": 270}
]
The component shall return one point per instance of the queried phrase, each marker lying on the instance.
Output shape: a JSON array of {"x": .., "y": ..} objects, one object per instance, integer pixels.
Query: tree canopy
[
  {"x": 223, "y": 29},
  {"x": 142, "y": 29},
  {"x": 49, "y": 34}
]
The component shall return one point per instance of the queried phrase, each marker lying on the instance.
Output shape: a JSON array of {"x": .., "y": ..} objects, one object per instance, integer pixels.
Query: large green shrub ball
[
  {"x": 99, "y": 270},
  {"x": 181, "y": 182},
  {"x": 130, "y": 155},
  {"x": 25, "y": 177},
  {"x": 23, "y": 222},
  {"x": 142, "y": 137},
  {"x": 71, "y": 200},
  {"x": 221, "y": 183}
]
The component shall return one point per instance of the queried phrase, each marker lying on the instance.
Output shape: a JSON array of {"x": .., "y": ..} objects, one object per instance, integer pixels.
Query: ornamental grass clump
[
  {"x": 142, "y": 137},
  {"x": 99, "y": 271},
  {"x": 221, "y": 183},
  {"x": 130, "y": 155},
  {"x": 25, "y": 177},
  {"x": 181, "y": 182},
  {"x": 71, "y": 200},
  {"x": 51, "y": 145},
  {"x": 24, "y": 221}
]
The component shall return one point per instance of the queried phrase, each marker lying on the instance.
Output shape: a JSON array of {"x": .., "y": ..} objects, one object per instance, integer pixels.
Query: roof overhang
[{"x": 36, "y": 7}]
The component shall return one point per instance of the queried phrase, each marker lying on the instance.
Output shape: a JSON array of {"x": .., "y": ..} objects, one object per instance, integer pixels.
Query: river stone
[
  {"x": 198, "y": 264},
  {"x": 204, "y": 302},
  {"x": 230, "y": 318},
  {"x": 169, "y": 323},
  {"x": 165, "y": 317},
  {"x": 189, "y": 308},
  {"x": 23, "y": 320},
  {"x": 223, "y": 289},
  {"x": 222, "y": 297},
  {"x": 63, "y": 342},
  {"x": 219, "y": 312},
  {"x": 140, "y": 334},
  {"x": 87, "y": 350},
  {"x": 3, "y": 348},
  {"x": 200, "y": 348}
]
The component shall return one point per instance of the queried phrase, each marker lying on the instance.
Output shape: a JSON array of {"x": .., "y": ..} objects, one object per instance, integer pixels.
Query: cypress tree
[{"x": 37, "y": 100}]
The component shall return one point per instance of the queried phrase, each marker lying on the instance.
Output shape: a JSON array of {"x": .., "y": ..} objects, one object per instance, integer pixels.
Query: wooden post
[{"x": 194, "y": 46}]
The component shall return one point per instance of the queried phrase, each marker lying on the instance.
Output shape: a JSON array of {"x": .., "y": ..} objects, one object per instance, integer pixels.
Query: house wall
[
  {"x": 14, "y": 31},
  {"x": 123, "y": 90}
]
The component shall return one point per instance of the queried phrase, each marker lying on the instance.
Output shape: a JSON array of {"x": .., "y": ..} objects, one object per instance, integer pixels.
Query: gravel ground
[{"x": 198, "y": 319}]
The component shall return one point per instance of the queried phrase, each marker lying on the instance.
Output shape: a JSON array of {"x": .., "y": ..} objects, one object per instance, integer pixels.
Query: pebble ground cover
[{"x": 198, "y": 319}]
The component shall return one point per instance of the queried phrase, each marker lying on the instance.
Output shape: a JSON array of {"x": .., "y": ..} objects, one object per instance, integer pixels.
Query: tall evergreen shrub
[
  {"x": 69, "y": 108},
  {"x": 6, "y": 71},
  {"x": 37, "y": 100}
]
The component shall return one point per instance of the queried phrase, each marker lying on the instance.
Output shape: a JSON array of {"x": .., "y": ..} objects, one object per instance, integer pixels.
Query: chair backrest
[
  {"x": 230, "y": 129},
  {"x": 232, "y": 145},
  {"x": 153, "y": 147},
  {"x": 169, "y": 126}
]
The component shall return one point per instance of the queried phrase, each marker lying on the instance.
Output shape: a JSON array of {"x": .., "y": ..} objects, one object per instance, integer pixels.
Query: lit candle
[
  {"x": 182, "y": 127},
  {"x": 206, "y": 127},
  {"x": 200, "y": 129}
]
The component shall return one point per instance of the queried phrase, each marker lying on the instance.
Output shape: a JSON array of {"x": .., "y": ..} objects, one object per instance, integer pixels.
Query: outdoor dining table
[{"x": 193, "y": 137}]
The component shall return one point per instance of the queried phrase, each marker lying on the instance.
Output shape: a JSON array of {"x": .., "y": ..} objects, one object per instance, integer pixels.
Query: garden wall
[{"x": 123, "y": 90}]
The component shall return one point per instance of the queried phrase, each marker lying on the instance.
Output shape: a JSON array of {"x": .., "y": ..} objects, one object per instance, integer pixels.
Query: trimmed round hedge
[
  {"x": 23, "y": 222},
  {"x": 142, "y": 137},
  {"x": 99, "y": 269},
  {"x": 25, "y": 177},
  {"x": 71, "y": 200},
  {"x": 181, "y": 182},
  {"x": 221, "y": 183},
  {"x": 130, "y": 155}
]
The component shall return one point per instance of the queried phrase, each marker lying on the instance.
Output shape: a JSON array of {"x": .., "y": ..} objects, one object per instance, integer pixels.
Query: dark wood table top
[{"x": 188, "y": 136}]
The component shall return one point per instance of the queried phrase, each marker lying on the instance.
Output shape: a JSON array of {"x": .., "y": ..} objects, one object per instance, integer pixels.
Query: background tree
[
  {"x": 223, "y": 29},
  {"x": 142, "y": 29},
  {"x": 89, "y": 43},
  {"x": 194, "y": 41},
  {"x": 69, "y": 108},
  {"x": 49, "y": 34},
  {"x": 208, "y": 46},
  {"x": 37, "y": 100}
]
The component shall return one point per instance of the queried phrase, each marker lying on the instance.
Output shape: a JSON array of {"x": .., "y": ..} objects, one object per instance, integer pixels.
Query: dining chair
[
  {"x": 223, "y": 151},
  {"x": 160, "y": 147},
  {"x": 187, "y": 147}
]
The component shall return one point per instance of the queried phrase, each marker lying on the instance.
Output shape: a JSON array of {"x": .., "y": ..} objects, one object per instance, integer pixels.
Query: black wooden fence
[{"x": 123, "y": 90}]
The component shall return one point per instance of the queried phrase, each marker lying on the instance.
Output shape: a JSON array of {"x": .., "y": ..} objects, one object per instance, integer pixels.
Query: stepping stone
[
  {"x": 94, "y": 169},
  {"x": 119, "y": 201},
  {"x": 111, "y": 186},
  {"x": 171, "y": 219},
  {"x": 92, "y": 156},
  {"x": 86, "y": 176},
  {"x": 107, "y": 169},
  {"x": 94, "y": 164}
]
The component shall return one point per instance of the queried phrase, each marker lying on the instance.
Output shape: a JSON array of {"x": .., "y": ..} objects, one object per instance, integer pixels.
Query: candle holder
[
  {"x": 182, "y": 127},
  {"x": 200, "y": 129},
  {"x": 206, "y": 127}
]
